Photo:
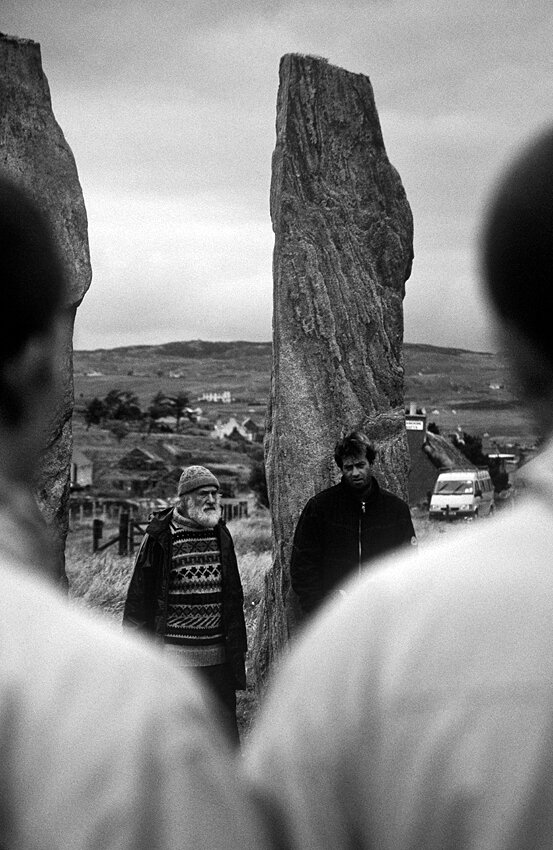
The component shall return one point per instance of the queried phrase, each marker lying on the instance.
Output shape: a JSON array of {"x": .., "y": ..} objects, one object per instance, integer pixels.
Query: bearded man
[{"x": 186, "y": 590}]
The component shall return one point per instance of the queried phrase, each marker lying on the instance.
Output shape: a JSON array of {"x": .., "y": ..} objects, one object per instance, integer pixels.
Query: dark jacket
[
  {"x": 150, "y": 583},
  {"x": 337, "y": 533}
]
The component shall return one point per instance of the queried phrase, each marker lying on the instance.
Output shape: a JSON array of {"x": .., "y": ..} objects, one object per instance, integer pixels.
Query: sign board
[{"x": 414, "y": 424}]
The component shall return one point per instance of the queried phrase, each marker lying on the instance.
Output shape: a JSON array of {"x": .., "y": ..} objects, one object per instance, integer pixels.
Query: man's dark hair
[
  {"x": 354, "y": 443},
  {"x": 517, "y": 246},
  {"x": 32, "y": 281}
]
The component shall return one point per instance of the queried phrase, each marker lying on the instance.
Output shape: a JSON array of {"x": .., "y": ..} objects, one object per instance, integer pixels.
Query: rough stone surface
[
  {"x": 343, "y": 251},
  {"x": 33, "y": 150}
]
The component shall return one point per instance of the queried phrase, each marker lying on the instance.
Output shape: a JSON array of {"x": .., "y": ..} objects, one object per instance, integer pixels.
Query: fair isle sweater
[{"x": 194, "y": 629}]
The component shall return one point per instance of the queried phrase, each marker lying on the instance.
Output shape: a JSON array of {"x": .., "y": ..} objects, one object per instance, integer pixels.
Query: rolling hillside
[{"x": 459, "y": 389}]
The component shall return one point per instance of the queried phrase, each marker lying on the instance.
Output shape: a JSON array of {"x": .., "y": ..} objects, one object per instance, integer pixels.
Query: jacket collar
[{"x": 352, "y": 496}]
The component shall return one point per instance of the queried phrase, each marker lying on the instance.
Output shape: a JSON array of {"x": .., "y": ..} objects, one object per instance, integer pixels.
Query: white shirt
[{"x": 103, "y": 743}]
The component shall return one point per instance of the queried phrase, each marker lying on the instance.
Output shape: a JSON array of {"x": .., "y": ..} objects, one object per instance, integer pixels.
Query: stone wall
[
  {"x": 343, "y": 251},
  {"x": 33, "y": 151}
]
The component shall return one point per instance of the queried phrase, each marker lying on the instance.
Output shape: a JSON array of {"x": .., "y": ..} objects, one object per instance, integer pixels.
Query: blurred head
[
  {"x": 33, "y": 293},
  {"x": 32, "y": 279},
  {"x": 355, "y": 456},
  {"x": 517, "y": 263}
]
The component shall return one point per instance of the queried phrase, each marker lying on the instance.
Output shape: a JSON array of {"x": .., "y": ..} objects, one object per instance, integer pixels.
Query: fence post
[
  {"x": 131, "y": 535},
  {"x": 97, "y": 531},
  {"x": 123, "y": 533}
]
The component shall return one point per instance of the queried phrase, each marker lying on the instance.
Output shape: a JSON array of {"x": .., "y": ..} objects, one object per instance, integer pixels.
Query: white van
[{"x": 466, "y": 493}]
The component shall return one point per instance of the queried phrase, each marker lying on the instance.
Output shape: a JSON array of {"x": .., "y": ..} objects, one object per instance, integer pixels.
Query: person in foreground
[
  {"x": 186, "y": 590},
  {"x": 418, "y": 711},
  {"x": 102, "y": 743},
  {"x": 347, "y": 526}
]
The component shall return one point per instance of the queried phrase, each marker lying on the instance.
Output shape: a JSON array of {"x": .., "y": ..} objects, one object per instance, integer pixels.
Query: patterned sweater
[{"x": 195, "y": 599}]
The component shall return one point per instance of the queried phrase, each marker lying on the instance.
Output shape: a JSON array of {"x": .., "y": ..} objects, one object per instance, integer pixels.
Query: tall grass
[
  {"x": 252, "y": 534},
  {"x": 97, "y": 580}
]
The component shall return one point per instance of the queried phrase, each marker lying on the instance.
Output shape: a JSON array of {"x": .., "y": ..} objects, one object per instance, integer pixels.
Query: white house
[
  {"x": 223, "y": 430},
  {"x": 223, "y": 398},
  {"x": 81, "y": 469}
]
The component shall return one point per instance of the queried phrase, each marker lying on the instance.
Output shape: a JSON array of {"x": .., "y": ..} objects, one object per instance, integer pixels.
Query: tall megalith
[
  {"x": 343, "y": 251},
  {"x": 33, "y": 151}
]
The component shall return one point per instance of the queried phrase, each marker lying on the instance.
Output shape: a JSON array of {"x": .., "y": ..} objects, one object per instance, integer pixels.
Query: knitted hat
[{"x": 196, "y": 476}]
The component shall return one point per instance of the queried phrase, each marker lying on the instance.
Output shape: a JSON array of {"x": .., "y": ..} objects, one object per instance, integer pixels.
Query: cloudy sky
[{"x": 169, "y": 108}]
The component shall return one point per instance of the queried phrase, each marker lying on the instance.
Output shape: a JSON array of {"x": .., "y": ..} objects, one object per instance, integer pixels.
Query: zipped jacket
[
  {"x": 146, "y": 603},
  {"x": 338, "y": 534}
]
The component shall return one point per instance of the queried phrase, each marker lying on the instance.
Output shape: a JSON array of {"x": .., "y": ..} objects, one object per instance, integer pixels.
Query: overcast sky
[{"x": 169, "y": 108}]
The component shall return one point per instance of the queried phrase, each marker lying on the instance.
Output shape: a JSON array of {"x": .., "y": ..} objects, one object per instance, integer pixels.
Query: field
[
  {"x": 459, "y": 389},
  {"x": 468, "y": 391}
]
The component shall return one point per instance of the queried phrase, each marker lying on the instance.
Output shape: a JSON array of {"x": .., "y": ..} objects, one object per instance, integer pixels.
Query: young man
[
  {"x": 186, "y": 590},
  {"x": 102, "y": 742},
  {"x": 344, "y": 528},
  {"x": 418, "y": 712}
]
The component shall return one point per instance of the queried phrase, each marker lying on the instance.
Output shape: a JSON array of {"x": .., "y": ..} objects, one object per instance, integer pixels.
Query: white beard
[{"x": 205, "y": 517}]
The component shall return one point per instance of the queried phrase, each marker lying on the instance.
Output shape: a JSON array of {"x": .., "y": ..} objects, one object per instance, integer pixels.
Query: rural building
[
  {"x": 166, "y": 423},
  {"x": 428, "y": 454},
  {"x": 228, "y": 430},
  {"x": 166, "y": 486},
  {"x": 81, "y": 470},
  {"x": 257, "y": 431},
  {"x": 248, "y": 430},
  {"x": 138, "y": 472},
  {"x": 223, "y": 398},
  {"x": 175, "y": 454},
  {"x": 141, "y": 459}
]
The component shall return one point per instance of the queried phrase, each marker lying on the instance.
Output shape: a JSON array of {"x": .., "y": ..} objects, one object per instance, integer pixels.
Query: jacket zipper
[{"x": 359, "y": 537}]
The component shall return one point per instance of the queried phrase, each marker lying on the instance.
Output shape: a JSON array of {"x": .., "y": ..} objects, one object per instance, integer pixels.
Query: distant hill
[
  {"x": 459, "y": 388},
  {"x": 227, "y": 350},
  {"x": 193, "y": 348}
]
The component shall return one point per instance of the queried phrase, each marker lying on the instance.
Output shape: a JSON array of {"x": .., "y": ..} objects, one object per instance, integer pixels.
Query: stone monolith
[
  {"x": 33, "y": 150},
  {"x": 343, "y": 251}
]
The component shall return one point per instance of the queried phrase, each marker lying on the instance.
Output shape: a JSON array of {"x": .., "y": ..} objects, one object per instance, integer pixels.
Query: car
[{"x": 462, "y": 493}]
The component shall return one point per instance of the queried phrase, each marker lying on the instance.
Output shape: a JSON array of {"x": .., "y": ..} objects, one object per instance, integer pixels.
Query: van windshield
[{"x": 451, "y": 486}]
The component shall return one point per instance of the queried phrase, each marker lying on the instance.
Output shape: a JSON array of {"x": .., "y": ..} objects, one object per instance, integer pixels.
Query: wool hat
[{"x": 196, "y": 476}]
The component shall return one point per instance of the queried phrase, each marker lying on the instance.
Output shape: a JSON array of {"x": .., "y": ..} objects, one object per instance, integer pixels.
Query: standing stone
[
  {"x": 343, "y": 251},
  {"x": 34, "y": 152}
]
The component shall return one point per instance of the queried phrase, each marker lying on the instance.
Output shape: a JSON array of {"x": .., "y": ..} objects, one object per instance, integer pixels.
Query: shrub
[{"x": 257, "y": 482}]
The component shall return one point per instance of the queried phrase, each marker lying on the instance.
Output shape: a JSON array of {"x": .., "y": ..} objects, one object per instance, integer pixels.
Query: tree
[
  {"x": 119, "y": 430},
  {"x": 258, "y": 483},
  {"x": 123, "y": 405},
  {"x": 94, "y": 412},
  {"x": 179, "y": 404},
  {"x": 160, "y": 406},
  {"x": 471, "y": 447}
]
